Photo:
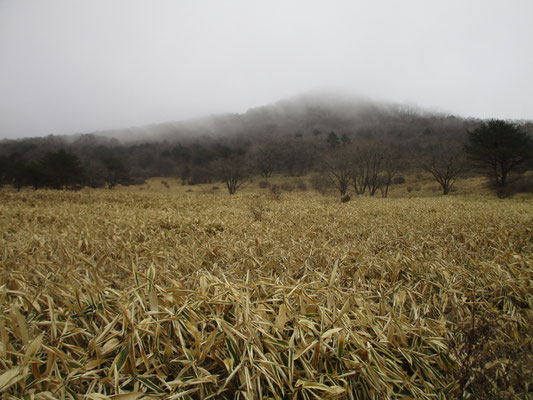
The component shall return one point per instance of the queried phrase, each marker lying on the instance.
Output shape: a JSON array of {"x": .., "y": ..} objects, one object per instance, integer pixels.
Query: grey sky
[{"x": 70, "y": 66}]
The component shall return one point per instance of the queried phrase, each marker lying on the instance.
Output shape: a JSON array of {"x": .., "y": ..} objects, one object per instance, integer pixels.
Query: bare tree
[
  {"x": 359, "y": 174},
  {"x": 367, "y": 163},
  {"x": 389, "y": 170},
  {"x": 373, "y": 167},
  {"x": 265, "y": 158},
  {"x": 303, "y": 161},
  {"x": 445, "y": 165},
  {"x": 374, "y": 160},
  {"x": 297, "y": 156},
  {"x": 338, "y": 165},
  {"x": 233, "y": 172}
]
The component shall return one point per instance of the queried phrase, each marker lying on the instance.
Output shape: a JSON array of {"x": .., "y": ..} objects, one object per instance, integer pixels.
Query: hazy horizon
[{"x": 77, "y": 67}]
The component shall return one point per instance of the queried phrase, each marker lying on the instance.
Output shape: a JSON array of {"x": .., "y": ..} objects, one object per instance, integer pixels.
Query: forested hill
[
  {"x": 303, "y": 114},
  {"x": 290, "y": 137}
]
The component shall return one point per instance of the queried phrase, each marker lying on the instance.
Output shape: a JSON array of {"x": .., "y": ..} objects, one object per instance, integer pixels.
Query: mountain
[
  {"x": 302, "y": 114},
  {"x": 292, "y": 136}
]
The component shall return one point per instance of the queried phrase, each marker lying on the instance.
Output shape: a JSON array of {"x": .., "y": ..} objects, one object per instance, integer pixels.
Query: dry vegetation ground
[{"x": 131, "y": 294}]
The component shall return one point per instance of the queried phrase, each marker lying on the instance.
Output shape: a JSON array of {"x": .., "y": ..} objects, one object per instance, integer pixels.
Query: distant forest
[{"x": 314, "y": 134}]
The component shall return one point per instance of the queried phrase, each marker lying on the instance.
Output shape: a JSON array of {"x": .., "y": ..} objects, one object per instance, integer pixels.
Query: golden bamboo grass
[{"x": 125, "y": 295}]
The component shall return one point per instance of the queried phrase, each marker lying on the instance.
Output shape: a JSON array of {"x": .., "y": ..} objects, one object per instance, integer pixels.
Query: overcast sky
[{"x": 69, "y": 66}]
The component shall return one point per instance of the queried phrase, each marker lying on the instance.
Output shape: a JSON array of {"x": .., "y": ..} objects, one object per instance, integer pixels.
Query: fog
[{"x": 71, "y": 66}]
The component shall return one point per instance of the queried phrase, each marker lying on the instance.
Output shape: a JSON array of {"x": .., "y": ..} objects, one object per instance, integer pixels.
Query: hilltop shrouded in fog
[
  {"x": 292, "y": 136},
  {"x": 313, "y": 110}
]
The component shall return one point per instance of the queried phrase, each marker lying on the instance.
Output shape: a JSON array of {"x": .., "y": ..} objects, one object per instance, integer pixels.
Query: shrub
[
  {"x": 134, "y": 181},
  {"x": 264, "y": 184},
  {"x": 300, "y": 185},
  {"x": 275, "y": 192},
  {"x": 398, "y": 180},
  {"x": 524, "y": 184},
  {"x": 487, "y": 371},
  {"x": 320, "y": 183},
  {"x": 287, "y": 186},
  {"x": 256, "y": 210}
]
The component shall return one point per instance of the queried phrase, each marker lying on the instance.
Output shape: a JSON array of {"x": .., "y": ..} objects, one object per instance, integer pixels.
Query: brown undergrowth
[{"x": 128, "y": 295}]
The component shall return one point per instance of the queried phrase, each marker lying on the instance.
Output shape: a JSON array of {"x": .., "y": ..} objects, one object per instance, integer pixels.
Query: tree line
[{"x": 357, "y": 164}]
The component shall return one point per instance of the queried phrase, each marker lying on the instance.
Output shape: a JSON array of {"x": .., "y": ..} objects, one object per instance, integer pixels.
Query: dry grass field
[{"x": 141, "y": 294}]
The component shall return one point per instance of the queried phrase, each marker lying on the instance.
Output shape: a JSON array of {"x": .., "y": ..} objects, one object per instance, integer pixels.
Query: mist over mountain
[
  {"x": 293, "y": 136},
  {"x": 300, "y": 114}
]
